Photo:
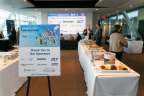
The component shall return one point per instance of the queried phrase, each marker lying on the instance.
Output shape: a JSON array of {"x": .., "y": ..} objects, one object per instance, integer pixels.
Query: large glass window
[
  {"x": 4, "y": 14},
  {"x": 129, "y": 23},
  {"x": 18, "y": 18},
  {"x": 133, "y": 14}
]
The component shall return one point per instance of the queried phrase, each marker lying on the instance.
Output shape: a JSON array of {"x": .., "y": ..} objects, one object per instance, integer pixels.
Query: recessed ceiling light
[
  {"x": 98, "y": 2},
  {"x": 130, "y": 5},
  {"x": 96, "y": 9},
  {"x": 66, "y": 9},
  {"x": 36, "y": 9}
]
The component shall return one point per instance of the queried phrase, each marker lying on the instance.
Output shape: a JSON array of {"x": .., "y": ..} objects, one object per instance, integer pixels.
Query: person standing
[
  {"x": 12, "y": 36},
  {"x": 78, "y": 37},
  {"x": 98, "y": 35},
  {"x": 17, "y": 35},
  {"x": 117, "y": 42},
  {"x": 87, "y": 33},
  {"x": 61, "y": 37},
  {"x": 1, "y": 35}
]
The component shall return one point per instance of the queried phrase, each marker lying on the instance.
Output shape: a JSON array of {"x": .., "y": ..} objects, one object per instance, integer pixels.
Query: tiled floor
[{"x": 136, "y": 62}]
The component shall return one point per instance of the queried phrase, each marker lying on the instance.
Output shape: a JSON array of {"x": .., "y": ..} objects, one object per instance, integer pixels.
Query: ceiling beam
[{"x": 64, "y": 3}]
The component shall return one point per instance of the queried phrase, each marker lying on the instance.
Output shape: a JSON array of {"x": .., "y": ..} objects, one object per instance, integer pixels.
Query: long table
[
  {"x": 10, "y": 82},
  {"x": 106, "y": 84}
]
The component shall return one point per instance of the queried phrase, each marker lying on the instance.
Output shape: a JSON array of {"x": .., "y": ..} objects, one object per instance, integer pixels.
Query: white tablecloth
[
  {"x": 135, "y": 47},
  {"x": 10, "y": 82},
  {"x": 106, "y": 84}
]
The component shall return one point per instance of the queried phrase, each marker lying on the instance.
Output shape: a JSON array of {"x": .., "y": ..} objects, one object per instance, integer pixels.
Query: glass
[
  {"x": 109, "y": 58},
  {"x": 96, "y": 55}
]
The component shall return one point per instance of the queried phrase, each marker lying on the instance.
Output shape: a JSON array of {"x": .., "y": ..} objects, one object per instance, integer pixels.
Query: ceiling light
[
  {"x": 66, "y": 9},
  {"x": 98, "y": 2},
  {"x": 96, "y": 9},
  {"x": 130, "y": 5}
]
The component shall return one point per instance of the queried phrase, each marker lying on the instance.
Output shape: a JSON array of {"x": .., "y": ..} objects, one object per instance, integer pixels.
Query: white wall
[
  {"x": 89, "y": 19},
  {"x": 44, "y": 17}
]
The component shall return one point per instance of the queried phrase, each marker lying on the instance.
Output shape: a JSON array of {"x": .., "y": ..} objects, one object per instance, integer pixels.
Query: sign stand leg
[
  {"x": 28, "y": 86},
  {"x": 49, "y": 86}
]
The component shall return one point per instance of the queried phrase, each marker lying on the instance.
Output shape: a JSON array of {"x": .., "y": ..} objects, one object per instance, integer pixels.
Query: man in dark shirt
[
  {"x": 88, "y": 32},
  {"x": 98, "y": 36}
]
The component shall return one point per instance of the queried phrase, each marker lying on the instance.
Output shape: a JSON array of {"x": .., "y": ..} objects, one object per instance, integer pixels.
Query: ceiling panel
[
  {"x": 111, "y": 3},
  {"x": 116, "y": 6},
  {"x": 64, "y": 3},
  {"x": 105, "y": 6}
]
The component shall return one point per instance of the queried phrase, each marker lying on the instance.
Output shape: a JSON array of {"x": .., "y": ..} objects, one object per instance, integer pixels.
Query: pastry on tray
[
  {"x": 112, "y": 67},
  {"x": 93, "y": 46}
]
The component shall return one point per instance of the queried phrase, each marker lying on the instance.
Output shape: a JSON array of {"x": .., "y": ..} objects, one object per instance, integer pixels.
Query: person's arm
[{"x": 124, "y": 41}]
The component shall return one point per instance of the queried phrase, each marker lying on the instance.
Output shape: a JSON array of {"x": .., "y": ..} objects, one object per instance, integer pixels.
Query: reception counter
[
  {"x": 10, "y": 82},
  {"x": 134, "y": 47},
  {"x": 109, "y": 83}
]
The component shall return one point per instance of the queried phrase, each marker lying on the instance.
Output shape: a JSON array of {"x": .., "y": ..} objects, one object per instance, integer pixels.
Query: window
[
  {"x": 133, "y": 14},
  {"x": 18, "y": 18}
]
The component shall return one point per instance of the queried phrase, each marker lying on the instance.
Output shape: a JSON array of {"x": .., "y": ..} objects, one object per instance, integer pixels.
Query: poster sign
[
  {"x": 70, "y": 22},
  {"x": 39, "y": 50}
]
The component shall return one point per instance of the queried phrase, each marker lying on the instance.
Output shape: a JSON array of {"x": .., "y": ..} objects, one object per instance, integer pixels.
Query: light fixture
[
  {"x": 66, "y": 9},
  {"x": 36, "y": 9},
  {"x": 130, "y": 6},
  {"x": 98, "y": 2},
  {"x": 96, "y": 9}
]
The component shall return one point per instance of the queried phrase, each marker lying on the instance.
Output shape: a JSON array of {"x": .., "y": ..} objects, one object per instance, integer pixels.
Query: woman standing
[{"x": 117, "y": 42}]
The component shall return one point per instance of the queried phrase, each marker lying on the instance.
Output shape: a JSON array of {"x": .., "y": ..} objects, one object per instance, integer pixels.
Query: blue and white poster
[{"x": 39, "y": 50}]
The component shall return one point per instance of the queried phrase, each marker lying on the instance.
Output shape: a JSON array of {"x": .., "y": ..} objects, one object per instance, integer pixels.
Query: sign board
[
  {"x": 70, "y": 22},
  {"x": 39, "y": 52}
]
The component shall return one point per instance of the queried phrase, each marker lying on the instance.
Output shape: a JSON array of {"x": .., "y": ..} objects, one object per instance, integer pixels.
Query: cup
[{"x": 109, "y": 58}]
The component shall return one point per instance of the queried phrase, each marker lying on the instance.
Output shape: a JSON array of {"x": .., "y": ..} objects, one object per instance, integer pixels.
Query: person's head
[
  {"x": 97, "y": 25},
  {"x": 118, "y": 28},
  {"x": 78, "y": 34},
  {"x": 61, "y": 34},
  {"x": 18, "y": 29}
]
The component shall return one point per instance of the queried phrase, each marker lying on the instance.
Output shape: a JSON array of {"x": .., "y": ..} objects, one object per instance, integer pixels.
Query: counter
[{"x": 134, "y": 47}]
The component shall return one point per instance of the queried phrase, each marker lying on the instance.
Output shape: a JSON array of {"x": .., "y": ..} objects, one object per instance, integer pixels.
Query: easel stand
[{"x": 28, "y": 86}]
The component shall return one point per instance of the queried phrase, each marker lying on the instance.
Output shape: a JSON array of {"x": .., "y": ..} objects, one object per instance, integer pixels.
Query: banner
[{"x": 39, "y": 50}]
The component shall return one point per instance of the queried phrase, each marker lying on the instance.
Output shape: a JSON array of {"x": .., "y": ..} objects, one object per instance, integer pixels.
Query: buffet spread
[
  {"x": 104, "y": 74},
  {"x": 7, "y": 58},
  {"x": 9, "y": 80}
]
